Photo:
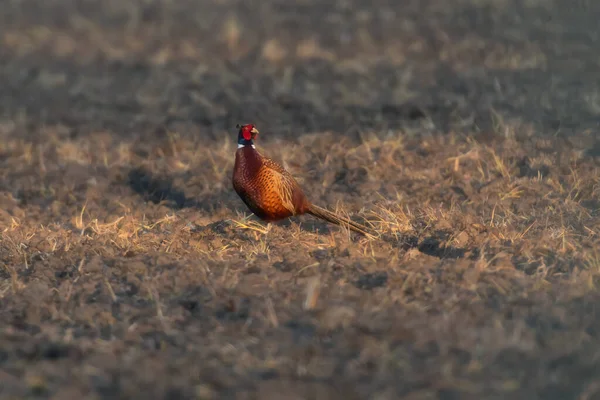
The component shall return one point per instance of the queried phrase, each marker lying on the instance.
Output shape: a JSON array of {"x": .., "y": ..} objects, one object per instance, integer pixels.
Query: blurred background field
[{"x": 465, "y": 132}]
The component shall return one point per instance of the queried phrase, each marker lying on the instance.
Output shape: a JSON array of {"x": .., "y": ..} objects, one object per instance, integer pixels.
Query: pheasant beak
[{"x": 254, "y": 132}]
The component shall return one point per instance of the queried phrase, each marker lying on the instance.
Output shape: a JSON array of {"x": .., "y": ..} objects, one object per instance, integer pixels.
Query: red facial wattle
[{"x": 246, "y": 132}]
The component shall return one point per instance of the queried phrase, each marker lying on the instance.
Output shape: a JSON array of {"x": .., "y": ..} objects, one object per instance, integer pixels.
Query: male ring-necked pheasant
[{"x": 269, "y": 191}]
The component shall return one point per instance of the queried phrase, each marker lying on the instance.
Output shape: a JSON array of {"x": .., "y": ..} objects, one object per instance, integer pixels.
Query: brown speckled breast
[{"x": 268, "y": 190}]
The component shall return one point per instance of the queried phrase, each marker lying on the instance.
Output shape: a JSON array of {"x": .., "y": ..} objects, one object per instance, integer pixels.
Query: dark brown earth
[{"x": 466, "y": 133}]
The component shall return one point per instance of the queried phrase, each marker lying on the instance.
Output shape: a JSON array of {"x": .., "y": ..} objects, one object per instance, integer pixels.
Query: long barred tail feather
[{"x": 328, "y": 216}]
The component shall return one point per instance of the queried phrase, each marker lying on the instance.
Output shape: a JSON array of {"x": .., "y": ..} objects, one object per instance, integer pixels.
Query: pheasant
[{"x": 269, "y": 191}]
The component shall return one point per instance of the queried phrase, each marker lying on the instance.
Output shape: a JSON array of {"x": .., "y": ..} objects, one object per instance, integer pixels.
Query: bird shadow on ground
[
  {"x": 160, "y": 190},
  {"x": 157, "y": 190}
]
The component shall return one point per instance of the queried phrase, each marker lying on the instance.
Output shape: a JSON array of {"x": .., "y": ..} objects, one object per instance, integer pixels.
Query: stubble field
[{"x": 465, "y": 133}]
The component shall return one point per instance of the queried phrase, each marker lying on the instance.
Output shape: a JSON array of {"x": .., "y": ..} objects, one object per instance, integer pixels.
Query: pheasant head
[{"x": 246, "y": 135}]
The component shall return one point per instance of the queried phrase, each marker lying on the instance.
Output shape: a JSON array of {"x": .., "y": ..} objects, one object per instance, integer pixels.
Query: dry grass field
[{"x": 466, "y": 133}]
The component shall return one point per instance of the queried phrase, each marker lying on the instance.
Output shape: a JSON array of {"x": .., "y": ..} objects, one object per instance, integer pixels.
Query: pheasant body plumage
[
  {"x": 271, "y": 192},
  {"x": 268, "y": 190}
]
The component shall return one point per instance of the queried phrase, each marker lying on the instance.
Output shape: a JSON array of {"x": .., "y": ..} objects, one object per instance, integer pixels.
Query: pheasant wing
[{"x": 283, "y": 188}]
